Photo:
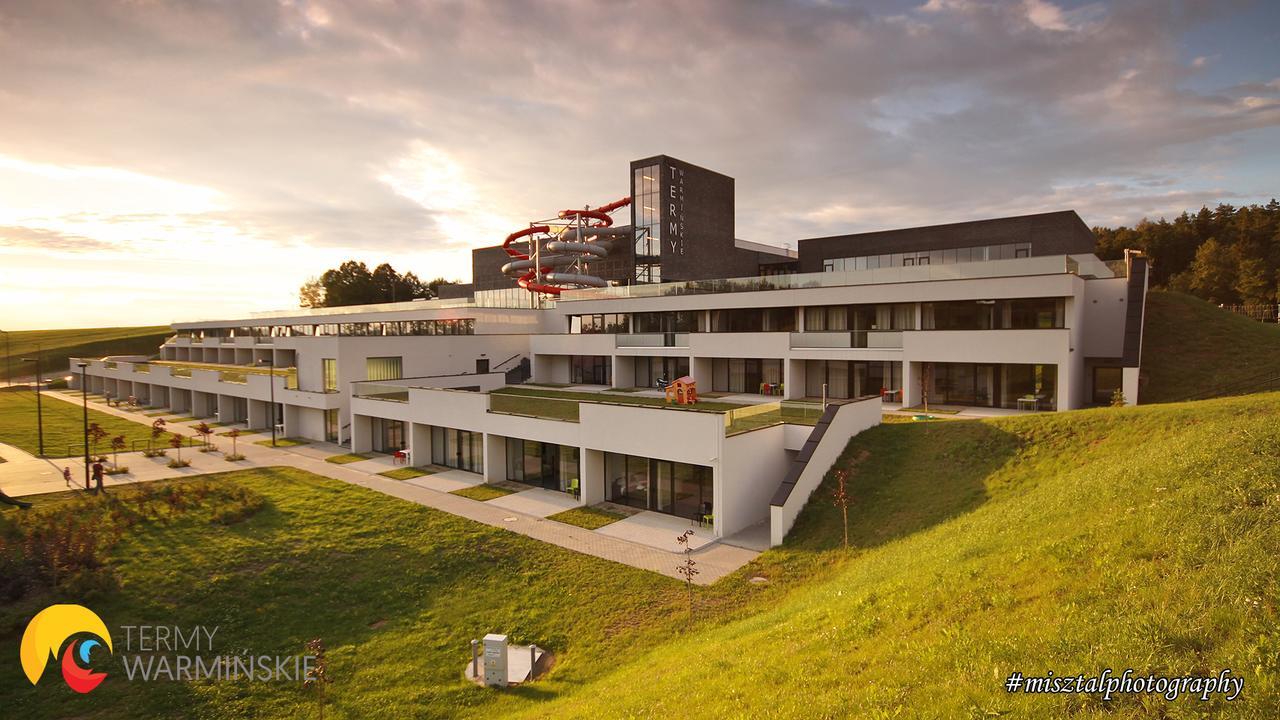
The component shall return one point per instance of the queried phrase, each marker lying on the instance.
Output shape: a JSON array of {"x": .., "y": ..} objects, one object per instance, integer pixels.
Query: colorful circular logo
[{"x": 47, "y": 632}]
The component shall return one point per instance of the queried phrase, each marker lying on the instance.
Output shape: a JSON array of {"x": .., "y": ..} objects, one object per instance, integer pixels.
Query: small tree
[
  {"x": 235, "y": 433},
  {"x": 688, "y": 568},
  {"x": 117, "y": 444},
  {"x": 1117, "y": 398},
  {"x": 175, "y": 442},
  {"x": 204, "y": 431},
  {"x": 840, "y": 496},
  {"x": 318, "y": 675},
  {"x": 157, "y": 429},
  {"x": 96, "y": 435}
]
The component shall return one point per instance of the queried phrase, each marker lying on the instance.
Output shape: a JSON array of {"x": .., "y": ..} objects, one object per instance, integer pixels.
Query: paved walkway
[{"x": 31, "y": 476}]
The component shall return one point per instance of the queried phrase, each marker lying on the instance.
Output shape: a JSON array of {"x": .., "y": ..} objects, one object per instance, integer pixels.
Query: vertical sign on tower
[{"x": 673, "y": 198}]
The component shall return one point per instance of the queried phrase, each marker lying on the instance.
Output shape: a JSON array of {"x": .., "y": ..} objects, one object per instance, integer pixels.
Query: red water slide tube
[{"x": 601, "y": 217}]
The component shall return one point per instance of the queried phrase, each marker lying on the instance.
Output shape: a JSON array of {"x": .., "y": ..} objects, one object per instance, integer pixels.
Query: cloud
[
  {"x": 51, "y": 240},
  {"x": 405, "y": 130}
]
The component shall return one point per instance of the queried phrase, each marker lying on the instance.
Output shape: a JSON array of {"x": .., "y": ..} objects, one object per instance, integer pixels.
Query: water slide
[{"x": 566, "y": 246}]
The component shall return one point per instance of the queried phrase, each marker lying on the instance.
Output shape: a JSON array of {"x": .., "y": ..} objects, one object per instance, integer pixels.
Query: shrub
[
  {"x": 1117, "y": 398},
  {"x": 118, "y": 470},
  {"x": 175, "y": 463},
  {"x": 154, "y": 452},
  {"x": 234, "y": 457}
]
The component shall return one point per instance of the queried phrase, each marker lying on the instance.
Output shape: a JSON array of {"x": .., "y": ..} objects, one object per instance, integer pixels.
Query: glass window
[
  {"x": 329, "y": 372},
  {"x": 383, "y": 368}
]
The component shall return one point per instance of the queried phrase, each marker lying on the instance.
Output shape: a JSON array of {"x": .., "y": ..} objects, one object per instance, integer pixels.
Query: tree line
[
  {"x": 352, "y": 283},
  {"x": 1227, "y": 255}
]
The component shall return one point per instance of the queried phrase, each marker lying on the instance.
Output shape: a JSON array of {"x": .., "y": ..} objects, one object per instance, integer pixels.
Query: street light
[
  {"x": 8, "y": 367},
  {"x": 84, "y": 394},
  {"x": 271, "y": 383},
  {"x": 39, "y": 408}
]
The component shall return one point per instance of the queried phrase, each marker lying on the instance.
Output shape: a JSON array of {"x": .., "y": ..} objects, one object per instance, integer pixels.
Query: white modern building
[{"x": 792, "y": 353}]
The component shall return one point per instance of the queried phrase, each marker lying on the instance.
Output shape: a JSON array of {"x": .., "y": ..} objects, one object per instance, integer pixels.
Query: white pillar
[
  {"x": 910, "y": 383},
  {"x": 495, "y": 458},
  {"x": 593, "y": 480}
]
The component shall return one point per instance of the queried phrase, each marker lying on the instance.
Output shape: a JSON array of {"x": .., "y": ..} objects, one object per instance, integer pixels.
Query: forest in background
[{"x": 1227, "y": 255}]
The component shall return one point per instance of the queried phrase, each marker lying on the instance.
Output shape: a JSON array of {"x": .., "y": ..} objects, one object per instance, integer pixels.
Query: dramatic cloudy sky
[{"x": 178, "y": 160}]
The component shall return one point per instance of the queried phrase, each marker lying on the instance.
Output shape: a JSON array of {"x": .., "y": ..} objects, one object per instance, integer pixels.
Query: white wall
[
  {"x": 851, "y": 419},
  {"x": 753, "y": 465}
]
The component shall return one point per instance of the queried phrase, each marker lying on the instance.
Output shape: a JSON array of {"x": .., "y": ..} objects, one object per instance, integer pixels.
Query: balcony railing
[
  {"x": 380, "y": 391},
  {"x": 755, "y": 417},
  {"x": 874, "y": 339},
  {"x": 670, "y": 339},
  {"x": 1040, "y": 265}
]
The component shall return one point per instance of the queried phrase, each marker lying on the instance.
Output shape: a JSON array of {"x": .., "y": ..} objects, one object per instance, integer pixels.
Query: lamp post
[
  {"x": 39, "y": 405},
  {"x": 271, "y": 383},
  {"x": 84, "y": 394},
  {"x": 8, "y": 366}
]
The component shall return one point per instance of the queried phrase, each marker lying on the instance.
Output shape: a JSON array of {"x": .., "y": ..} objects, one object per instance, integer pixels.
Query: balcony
[
  {"x": 665, "y": 339},
  {"x": 1018, "y": 267},
  {"x": 870, "y": 339}
]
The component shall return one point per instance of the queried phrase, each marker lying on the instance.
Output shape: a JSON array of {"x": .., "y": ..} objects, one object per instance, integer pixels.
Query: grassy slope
[
  {"x": 1190, "y": 346},
  {"x": 57, "y": 346},
  {"x": 1138, "y": 537},
  {"x": 63, "y": 425},
  {"x": 395, "y": 590}
]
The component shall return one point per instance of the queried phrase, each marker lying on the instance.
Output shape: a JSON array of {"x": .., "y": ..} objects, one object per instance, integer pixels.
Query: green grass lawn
[
  {"x": 1113, "y": 538},
  {"x": 57, "y": 346},
  {"x": 482, "y": 492},
  {"x": 1192, "y": 348},
  {"x": 63, "y": 425},
  {"x": 283, "y": 442},
  {"x": 396, "y": 591},
  {"x": 1067, "y": 542},
  {"x": 346, "y": 458},
  {"x": 563, "y": 404},
  {"x": 406, "y": 473},
  {"x": 588, "y": 517}
]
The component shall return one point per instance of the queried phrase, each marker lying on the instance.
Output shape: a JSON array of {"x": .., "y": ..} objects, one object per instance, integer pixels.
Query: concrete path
[
  {"x": 31, "y": 476},
  {"x": 658, "y": 530},
  {"x": 537, "y": 502},
  {"x": 448, "y": 481}
]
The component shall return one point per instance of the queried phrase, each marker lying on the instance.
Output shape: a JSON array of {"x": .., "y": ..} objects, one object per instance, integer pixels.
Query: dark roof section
[{"x": 1052, "y": 233}]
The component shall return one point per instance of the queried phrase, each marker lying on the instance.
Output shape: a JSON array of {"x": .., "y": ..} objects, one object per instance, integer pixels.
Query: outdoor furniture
[
  {"x": 1028, "y": 402},
  {"x": 890, "y": 395},
  {"x": 573, "y": 487}
]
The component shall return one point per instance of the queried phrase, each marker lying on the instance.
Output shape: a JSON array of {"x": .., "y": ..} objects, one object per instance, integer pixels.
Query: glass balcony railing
[
  {"x": 672, "y": 339},
  {"x": 755, "y": 417},
  {"x": 380, "y": 391},
  {"x": 1042, "y": 265},
  {"x": 873, "y": 339}
]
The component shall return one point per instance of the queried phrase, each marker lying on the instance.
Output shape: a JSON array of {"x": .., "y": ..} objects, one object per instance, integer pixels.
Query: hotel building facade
[{"x": 792, "y": 353}]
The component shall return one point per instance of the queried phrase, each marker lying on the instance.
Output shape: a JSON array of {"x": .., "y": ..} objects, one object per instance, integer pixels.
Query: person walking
[
  {"x": 66, "y": 475},
  {"x": 97, "y": 476}
]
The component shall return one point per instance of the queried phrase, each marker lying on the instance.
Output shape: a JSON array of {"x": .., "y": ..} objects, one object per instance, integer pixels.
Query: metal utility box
[{"x": 495, "y": 660}]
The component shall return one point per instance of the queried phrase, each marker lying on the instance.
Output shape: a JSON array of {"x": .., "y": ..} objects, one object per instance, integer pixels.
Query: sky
[{"x": 166, "y": 161}]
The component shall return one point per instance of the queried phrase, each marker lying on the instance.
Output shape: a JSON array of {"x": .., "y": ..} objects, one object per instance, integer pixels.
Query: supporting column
[
  {"x": 592, "y": 479},
  {"x": 910, "y": 383},
  {"x": 361, "y": 433},
  {"x": 793, "y": 377},
  {"x": 701, "y": 369},
  {"x": 199, "y": 404},
  {"x": 259, "y": 414},
  {"x": 226, "y": 412},
  {"x": 495, "y": 458},
  {"x": 419, "y": 444}
]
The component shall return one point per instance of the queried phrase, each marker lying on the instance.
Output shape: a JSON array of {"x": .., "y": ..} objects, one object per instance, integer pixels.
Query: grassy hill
[
  {"x": 1113, "y": 538},
  {"x": 57, "y": 346},
  {"x": 1192, "y": 349}
]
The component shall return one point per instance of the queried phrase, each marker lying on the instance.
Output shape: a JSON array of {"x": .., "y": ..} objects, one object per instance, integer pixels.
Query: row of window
[
  {"x": 979, "y": 253},
  {"x": 457, "y": 326},
  {"x": 1023, "y": 314},
  {"x": 898, "y": 316}
]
